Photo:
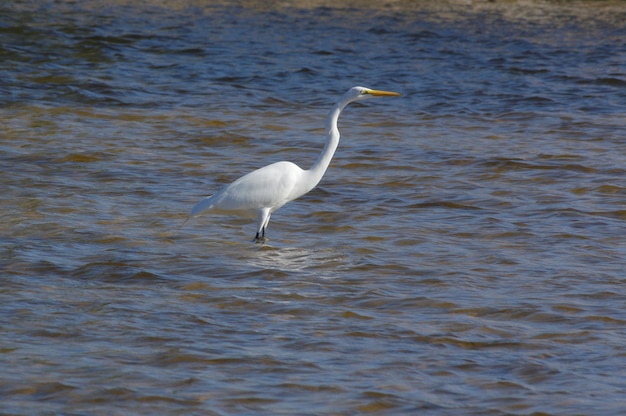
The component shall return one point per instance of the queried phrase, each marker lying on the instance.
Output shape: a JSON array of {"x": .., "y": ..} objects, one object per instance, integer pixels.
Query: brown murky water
[{"x": 463, "y": 255}]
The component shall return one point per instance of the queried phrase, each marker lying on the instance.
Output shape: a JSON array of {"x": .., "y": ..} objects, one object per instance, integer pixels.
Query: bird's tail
[
  {"x": 200, "y": 207},
  {"x": 183, "y": 224},
  {"x": 203, "y": 205}
]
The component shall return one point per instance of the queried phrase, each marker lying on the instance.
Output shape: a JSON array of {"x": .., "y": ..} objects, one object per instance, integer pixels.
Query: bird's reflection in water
[{"x": 322, "y": 262}]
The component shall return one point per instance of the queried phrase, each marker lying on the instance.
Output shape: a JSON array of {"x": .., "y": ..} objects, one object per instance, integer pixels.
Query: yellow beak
[{"x": 379, "y": 93}]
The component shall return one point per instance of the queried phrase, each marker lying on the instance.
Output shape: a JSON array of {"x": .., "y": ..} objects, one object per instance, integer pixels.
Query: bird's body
[
  {"x": 248, "y": 196},
  {"x": 263, "y": 191}
]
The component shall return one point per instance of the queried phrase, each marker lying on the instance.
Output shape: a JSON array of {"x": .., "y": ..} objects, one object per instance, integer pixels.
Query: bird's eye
[{"x": 364, "y": 92}]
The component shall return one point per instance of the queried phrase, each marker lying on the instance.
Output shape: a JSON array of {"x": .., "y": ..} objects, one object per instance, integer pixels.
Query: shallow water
[{"x": 464, "y": 253}]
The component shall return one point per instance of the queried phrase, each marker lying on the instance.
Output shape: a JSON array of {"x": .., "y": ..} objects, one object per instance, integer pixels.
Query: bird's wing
[{"x": 268, "y": 187}]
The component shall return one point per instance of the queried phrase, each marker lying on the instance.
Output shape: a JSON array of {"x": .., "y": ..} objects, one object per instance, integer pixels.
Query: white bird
[{"x": 261, "y": 192}]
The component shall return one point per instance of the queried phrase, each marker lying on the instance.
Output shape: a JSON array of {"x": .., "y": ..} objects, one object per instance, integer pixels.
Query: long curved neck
[{"x": 315, "y": 173}]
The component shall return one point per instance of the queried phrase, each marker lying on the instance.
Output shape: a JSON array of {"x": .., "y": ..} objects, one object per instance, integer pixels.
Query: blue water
[{"x": 464, "y": 253}]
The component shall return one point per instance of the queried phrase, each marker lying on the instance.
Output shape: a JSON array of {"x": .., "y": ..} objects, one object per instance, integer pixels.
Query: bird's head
[{"x": 362, "y": 93}]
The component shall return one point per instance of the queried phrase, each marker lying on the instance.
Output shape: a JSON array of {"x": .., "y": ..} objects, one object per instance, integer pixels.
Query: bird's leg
[
  {"x": 264, "y": 219},
  {"x": 260, "y": 236}
]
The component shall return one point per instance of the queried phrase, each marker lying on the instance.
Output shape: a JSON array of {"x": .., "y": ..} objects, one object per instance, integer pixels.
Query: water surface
[{"x": 463, "y": 254}]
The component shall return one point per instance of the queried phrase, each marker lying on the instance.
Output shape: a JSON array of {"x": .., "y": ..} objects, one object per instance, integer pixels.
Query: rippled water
[{"x": 463, "y": 255}]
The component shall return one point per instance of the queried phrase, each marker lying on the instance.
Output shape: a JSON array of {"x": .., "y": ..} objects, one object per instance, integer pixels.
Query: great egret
[{"x": 263, "y": 191}]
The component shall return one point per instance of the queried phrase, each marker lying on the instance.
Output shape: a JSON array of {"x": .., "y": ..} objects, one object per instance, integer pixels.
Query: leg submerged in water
[
  {"x": 260, "y": 237},
  {"x": 264, "y": 220}
]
